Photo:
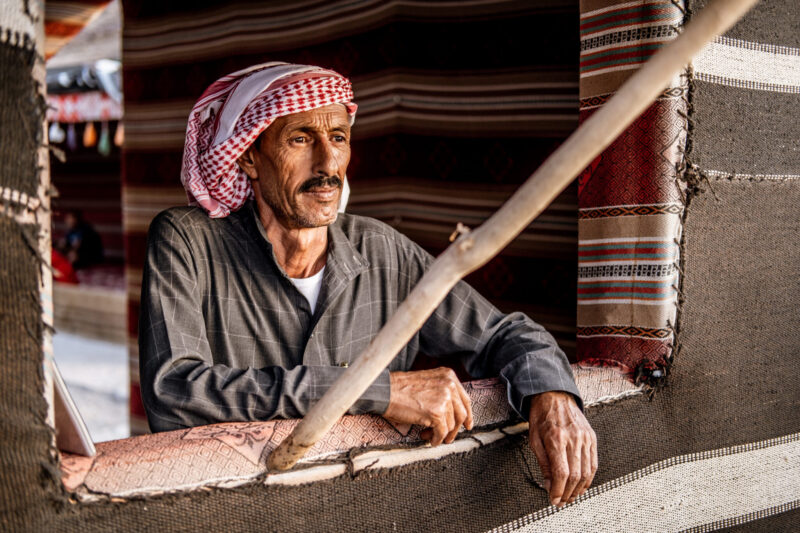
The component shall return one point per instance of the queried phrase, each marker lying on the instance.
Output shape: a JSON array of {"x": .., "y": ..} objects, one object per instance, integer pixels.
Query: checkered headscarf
[{"x": 233, "y": 112}]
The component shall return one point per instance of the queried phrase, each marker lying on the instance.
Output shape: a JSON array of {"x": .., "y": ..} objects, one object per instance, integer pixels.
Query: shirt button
[{"x": 344, "y": 365}]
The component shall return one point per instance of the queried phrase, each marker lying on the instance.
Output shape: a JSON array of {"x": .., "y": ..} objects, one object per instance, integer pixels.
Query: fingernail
[
  {"x": 547, "y": 485},
  {"x": 555, "y": 501}
]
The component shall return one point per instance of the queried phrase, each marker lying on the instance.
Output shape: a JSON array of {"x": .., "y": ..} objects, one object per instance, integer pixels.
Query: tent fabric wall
[
  {"x": 235, "y": 453},
  {"x": 733, "y": 393},
  {"x": 630, "y": 198},
  {"x": 458, "y": 104}
]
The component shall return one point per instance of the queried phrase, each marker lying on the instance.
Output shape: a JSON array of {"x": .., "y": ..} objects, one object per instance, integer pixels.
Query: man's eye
[
  {"x": 340, "y": 138},
  {"x": 299, "y": 140}
]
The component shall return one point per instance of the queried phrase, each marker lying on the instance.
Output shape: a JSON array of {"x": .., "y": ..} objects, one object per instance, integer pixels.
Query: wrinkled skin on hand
[
  {"x": 560, "y": 436},
  {"x": 430, "y": 398},
  {"x": 564, "y": 444}
]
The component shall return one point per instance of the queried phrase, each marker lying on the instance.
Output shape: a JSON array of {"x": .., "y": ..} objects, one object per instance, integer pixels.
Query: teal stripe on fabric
[
  {"x": 617, "y": 246},
  {"x": 626, "y": 256},
  {"x": 606, "y": 53},
  {"x": 638, "y": 20}
]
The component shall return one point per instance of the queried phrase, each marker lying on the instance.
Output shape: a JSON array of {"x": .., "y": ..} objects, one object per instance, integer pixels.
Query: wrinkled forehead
[{"x": 329, "y": 117}]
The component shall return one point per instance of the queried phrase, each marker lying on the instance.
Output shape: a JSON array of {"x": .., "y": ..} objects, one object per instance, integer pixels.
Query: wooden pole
[{"x": 473, "y": 249}]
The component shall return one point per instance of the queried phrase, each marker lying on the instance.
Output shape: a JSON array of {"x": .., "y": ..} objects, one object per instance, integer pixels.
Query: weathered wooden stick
[{"x": 472, "y": 250}]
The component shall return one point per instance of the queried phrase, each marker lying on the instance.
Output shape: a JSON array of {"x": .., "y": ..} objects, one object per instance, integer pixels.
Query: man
[
  {"x": 81, "y": 244},
  {"x": 252, "y": 308}
]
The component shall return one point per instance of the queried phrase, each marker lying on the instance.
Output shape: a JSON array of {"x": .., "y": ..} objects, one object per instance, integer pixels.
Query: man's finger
[
  {"x": 442, "y": 425},
  {"x": 587, "y": 474},
  {"x": 439, "y": 431},
  {"x": 559, "y": 468},
  {"x": 450, "y": 420},
  {"x": 459, "y": 415},
  {"x": 593, "y": 455},
  {"x": 574, "y": 459},
  {"x": 541, "y": 457},
  {"x": 467, "y": 405}
]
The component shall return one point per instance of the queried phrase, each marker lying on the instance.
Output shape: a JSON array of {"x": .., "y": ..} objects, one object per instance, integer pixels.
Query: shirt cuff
[
  {"x": 375, "y": 399},
  {"x": 528, "y": 377}
]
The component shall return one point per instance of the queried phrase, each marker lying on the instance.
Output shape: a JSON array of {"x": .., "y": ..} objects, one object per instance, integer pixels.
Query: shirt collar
[{"x": 344, "y": 261}]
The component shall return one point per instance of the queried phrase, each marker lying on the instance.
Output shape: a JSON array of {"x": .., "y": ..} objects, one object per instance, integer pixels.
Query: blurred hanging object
[
  {"x": 65, "y": 20},
  {"x": 119, "y": 135},
  {"x": 104, "y": 146},
  {"x": 89, "y": 135},
  {"x": 56, "y": 133},
  {"x": 72, "y": 137}
]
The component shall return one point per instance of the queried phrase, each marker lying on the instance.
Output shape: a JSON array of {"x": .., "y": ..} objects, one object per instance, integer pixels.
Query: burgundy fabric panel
[
  {"x": 625, "y": 353},
  {"x": 630, "y": 198},
  {"x": 639, "y": 166}
]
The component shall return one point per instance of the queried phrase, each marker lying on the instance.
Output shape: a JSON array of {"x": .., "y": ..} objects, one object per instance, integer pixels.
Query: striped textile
[
  {"x": 749, "y": 65},
  {"x": 622, "y": 36},
  {"x": 609, "y": 286},
  {"x": 767, "y": 471},
  {"x": 64, "y": 19},
  {"x": 630, "y": 201},
  {"x": 448, "y": 125},
  {"x": 617, "y": 37}
]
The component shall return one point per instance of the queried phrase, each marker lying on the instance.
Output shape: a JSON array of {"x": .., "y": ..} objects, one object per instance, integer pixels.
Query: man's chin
[{"x": 317, "y": 219}]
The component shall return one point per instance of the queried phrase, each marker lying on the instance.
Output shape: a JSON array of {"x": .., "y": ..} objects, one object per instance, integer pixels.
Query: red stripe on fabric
[
  {"x": 135, "y": 405},
  {"x": 605, "y": 53},
  {"x": 637, "y": 281},
  {"x": 62, "y": 29},
  {"x": 133, "y": 318},
  {"x": 91, "y": 5},
  {"x": 626, "y": 352},
  {"x": 619, "y": 251},
  {"x": 632, "y": 242},
  {"x": 601, "y": 260},
  {"x": 627, "y": 55},
  {"x": 586, "y": 16},
  {"x": 642, "y": 12}
]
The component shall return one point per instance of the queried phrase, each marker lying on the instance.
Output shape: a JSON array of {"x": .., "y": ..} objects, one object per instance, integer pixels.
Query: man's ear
[{"x": 247, "y": 162}]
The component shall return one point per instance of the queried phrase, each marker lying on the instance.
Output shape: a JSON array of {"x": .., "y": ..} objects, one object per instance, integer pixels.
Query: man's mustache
[{"x": 321, "y": 181}]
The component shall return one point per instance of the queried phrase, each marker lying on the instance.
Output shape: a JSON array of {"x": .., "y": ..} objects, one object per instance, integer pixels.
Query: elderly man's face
[{"x": 299, "y": 163}]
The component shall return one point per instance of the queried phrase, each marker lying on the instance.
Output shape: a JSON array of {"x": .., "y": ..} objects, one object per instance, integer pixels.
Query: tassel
[
  {"x": 56, "y": 133},
  {"x": 72, "y": 137},
  {"x": 104, "y": 146},
  {"x": 119, "y": 135},
  {"x": 89, "y": 135}
]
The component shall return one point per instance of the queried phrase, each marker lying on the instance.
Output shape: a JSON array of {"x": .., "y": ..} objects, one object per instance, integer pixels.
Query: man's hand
[
  {"x": 430, "y": 398},
  {"x": 565, "y": 445}
]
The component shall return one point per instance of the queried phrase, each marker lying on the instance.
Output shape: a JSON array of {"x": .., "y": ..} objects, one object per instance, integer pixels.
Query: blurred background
[{"x": 458, "y": 104}]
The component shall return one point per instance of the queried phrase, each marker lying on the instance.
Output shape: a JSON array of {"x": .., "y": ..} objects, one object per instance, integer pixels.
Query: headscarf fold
[{"x": 233, "y": 112}]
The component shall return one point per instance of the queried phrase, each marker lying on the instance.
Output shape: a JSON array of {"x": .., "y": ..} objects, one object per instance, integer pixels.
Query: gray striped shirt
[{"x": 225, "y": 336}]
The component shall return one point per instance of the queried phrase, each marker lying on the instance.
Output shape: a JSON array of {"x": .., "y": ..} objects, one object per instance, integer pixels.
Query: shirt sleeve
[
  {"x": 181, "y": 385},
  {"x": 491, "y": 344}
]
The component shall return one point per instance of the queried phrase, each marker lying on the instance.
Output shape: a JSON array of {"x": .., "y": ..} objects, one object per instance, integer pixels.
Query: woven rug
[{"x": 630, "y": 198}]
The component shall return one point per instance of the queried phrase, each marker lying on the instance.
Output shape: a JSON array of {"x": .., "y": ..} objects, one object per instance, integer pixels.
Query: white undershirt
[{"x": 309, "y": 287}]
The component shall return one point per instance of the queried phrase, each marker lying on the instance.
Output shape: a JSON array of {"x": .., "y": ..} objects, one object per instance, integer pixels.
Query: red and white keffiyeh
[{"x": 233, "y": 112}]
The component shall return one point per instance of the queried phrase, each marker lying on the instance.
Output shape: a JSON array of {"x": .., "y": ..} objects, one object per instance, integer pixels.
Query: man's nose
[{"x": 325, "y": 162}]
